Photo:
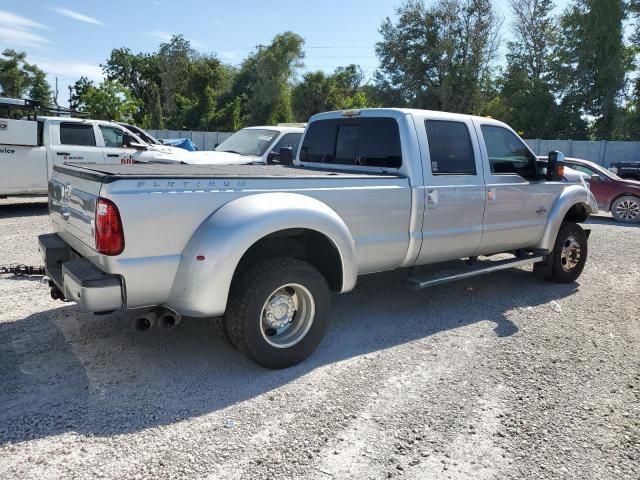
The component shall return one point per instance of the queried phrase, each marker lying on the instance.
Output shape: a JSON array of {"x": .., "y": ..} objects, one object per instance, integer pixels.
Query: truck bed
[{"x": 111, "y": 172}]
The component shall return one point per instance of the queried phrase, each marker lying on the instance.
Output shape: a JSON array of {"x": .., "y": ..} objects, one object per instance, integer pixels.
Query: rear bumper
[{"x": 79, "y": 280}]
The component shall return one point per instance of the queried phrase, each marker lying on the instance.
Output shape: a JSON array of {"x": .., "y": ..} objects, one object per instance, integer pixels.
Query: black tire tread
[
  {"x": 558, "y": 275},
  {"x": 613, "y": 207},
  {"x": 247, "y": 282}
]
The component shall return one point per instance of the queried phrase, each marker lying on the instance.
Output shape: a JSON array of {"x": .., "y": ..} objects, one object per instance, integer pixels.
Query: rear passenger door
[
  {"x": 454, "y": 183},
  {"x": 75, "y": 142}
]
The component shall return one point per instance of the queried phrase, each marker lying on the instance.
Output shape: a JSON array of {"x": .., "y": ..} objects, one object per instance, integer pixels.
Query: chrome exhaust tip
[
  {"x": 168, "y": 319},
  {"x": 145, "y": 321}
]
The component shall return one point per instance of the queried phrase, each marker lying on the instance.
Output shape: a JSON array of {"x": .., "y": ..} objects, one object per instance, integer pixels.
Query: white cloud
[
  {"x": 20, "y": 38},
  {"x": 228, "y": 55},
  {"x": 8, "y": 19},
  {"x": 77, "y": 16},
  {"x": 16, "y": 31},
  {"x": 68, "y": 68}
]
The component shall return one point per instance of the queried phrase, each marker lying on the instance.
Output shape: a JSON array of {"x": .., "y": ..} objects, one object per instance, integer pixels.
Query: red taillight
[{"x": 109, "y": 233}]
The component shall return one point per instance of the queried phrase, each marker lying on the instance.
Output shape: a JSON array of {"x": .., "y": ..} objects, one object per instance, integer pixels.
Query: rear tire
[
  {"x": 278, "y": 312},
  {"x": 569, "y": 253},
  {"x": 626, "y": 209}
]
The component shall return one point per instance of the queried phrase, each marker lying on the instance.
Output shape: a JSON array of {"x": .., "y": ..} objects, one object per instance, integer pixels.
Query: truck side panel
[
  {"x": 23, "y": 170},
  {"x": 160, "y": 217}
]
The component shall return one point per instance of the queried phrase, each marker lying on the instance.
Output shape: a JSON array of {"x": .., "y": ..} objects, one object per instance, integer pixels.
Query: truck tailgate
[{"x": 72, "y": 206}]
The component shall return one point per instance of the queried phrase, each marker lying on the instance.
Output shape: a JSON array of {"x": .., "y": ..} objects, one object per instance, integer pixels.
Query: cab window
[
  {"x": 508, "y": 153},
  {"x": 450, "y": 148},
  {"x": 289, "y": 140},
  {"x": 113, "y": 137},
  {"x": 77, "y": 134},
  {"x": 365, "y": 142}
]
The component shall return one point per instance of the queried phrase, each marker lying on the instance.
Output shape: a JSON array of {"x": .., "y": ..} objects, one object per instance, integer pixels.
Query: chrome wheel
[
  {"x": 627, "y": 209},
  {"x": 570, "y": 254},
  {"x": 287, "y": 315}
]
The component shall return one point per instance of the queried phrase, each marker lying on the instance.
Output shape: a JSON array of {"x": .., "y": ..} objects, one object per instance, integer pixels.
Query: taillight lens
[{"x": 109, "y": 232}]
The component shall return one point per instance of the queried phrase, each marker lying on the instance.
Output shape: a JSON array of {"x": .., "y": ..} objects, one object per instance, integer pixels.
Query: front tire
[
  {"x": 278, "y": 312},
  {"x": 569, "y": 253},
  {"x": 626, "y": 209}
]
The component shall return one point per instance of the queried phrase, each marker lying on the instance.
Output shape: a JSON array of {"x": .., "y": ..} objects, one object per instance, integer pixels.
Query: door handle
[
  {"x": 63, "y": 153},
  {"x": 491, "y": 195},
  {"x": 112, "y": 155},
  {"x": 432, "y": 198}
]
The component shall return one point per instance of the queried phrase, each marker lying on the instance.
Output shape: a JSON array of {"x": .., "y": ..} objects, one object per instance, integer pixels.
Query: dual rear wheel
[{"x": 278, "y": 312}]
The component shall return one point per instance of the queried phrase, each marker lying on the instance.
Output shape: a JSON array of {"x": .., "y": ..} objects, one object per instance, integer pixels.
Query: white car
[{"x": 251, "y": 145}]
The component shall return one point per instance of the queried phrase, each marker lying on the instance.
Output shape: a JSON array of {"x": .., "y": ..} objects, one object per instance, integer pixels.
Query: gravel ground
[{"x": 504, "y": 376}]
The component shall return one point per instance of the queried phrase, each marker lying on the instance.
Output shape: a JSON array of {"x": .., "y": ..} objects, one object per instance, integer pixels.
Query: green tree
[
  {"x": 19, "y": 79},
  {"x": 435, "y": 57},
  {"x": 107, "y": 101},
  {"x": 154, "y": 107},
  {"x": 319, "y": 92},
  {"x": 174, "y": 60},
  {"x": 78, "y": 92},
  {"x": 265, "y": 78},
  {"x": 140, "y": 74},
  {"x": 592, "y": 62},
  {"x": 524, "y": 98}
]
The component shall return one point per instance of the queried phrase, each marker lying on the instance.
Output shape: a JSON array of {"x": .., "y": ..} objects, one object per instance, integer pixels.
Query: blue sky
[{"x": 70, "y": 38}]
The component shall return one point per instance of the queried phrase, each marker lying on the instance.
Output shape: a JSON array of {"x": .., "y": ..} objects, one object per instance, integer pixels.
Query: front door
[
  {"x": 454, "y": 183},
  {"x": 518, "y": 203},
  {"x": 75, "y": 142},
  {"x": 114, "y": 150}
]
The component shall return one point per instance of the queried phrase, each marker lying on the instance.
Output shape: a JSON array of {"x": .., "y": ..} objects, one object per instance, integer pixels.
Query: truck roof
[
  {"x": 74, "y": 119},
  {"x": 279, "y": 128},
  {"x": 399, "y": 112}
]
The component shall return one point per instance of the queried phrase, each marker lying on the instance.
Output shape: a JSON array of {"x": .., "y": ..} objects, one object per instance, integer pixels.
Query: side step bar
[{"x": 461, "y": 270}]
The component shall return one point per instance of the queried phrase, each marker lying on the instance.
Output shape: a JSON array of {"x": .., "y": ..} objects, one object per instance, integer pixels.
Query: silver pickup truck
[{"x": 259, "y": 248}]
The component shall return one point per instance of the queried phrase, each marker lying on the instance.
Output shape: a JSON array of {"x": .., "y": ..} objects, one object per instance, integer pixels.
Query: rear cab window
[
  {"x": 355, "y": 142},
  {"x": 77, "y": 134}
]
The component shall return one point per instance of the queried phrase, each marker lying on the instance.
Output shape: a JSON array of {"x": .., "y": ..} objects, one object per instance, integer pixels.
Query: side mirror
[
  {"x": 556, "y": 164},
  {"x": 596, "y": 178},
  {"x": 137, "y": 146},
  {"x": 286, "y": 156}
]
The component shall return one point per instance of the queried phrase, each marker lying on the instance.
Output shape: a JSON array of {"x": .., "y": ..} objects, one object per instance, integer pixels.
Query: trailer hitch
[{"x": 21, "y": 270}]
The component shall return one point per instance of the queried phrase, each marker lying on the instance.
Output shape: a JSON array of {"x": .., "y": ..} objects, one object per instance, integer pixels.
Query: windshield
[
  {"x": 249, "y": 141},
  {"x": 141, "y": 133}
]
